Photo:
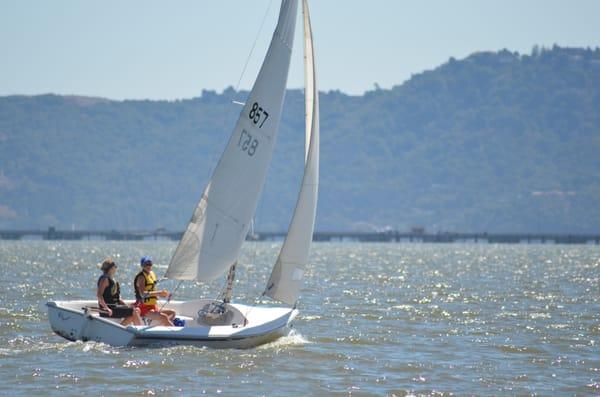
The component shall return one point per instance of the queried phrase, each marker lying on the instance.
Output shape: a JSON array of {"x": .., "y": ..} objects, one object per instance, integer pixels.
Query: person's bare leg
[
  {"x": 160, "y": 317},
  {"x": 166, "y": 320},
  {"x": 170, "y": 313},
  {"x": 134, "y": 319},
  {"x": 154, "y": 317},
  {"x": 137, "y": 319}
]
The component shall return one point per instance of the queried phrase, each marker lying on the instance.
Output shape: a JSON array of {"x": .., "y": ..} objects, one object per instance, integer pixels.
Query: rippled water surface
[{"x": 375, "y": 319}]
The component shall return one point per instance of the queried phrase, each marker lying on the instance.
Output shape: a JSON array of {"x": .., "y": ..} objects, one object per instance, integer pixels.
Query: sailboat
[{"x": 212, "y": 242}]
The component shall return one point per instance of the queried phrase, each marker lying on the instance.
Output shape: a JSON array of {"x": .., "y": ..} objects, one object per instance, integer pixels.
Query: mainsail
[
  {"x": 220, "y": 222},
  {"x": 286, "y": 278}
]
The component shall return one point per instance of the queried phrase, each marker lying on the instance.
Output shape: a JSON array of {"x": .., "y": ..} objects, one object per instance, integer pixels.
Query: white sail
[
  {"x": 218, "y": 227},
  {"x": 286, "y": 278}
]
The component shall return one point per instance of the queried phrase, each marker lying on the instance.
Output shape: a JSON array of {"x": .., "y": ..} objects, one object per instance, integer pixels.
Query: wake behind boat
[{"x": 214, "y": 236}]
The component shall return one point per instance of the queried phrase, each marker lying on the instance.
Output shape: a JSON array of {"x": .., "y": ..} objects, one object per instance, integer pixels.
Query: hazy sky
[{"x": 174, "y": 49}]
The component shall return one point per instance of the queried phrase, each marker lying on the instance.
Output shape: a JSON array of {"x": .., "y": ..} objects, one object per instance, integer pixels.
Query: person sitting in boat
[
  {"x": 146, "y": 294},
  {"x": 109, "y": 297}
]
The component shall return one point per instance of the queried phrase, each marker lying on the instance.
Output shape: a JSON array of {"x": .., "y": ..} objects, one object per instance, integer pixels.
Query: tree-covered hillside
[{"x": 494, "y": 142}]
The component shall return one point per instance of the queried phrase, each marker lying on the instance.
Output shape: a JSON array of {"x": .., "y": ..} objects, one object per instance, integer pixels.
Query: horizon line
[{"x": 376, "y": 85}]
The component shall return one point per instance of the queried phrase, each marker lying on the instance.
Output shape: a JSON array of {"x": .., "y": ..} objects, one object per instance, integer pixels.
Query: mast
[{"x": 229, "y": 287}]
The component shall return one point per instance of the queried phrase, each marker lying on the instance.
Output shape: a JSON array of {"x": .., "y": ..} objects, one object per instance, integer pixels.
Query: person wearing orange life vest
[{"x": 146, "y": 294}]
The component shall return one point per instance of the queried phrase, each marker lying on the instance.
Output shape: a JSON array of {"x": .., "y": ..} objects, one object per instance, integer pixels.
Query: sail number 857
[
  {"x": 248, "y": 143},
  {"x": 258, "y": 115}
]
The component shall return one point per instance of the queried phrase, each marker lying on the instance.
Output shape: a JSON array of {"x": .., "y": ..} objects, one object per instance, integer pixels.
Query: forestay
[
  {"x": 286, "y": 278},
  {"x": 219, "y": 224}
]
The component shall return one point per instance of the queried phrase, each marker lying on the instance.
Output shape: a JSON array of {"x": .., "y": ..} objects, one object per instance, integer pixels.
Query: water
[{"x": 376, "y": 319}]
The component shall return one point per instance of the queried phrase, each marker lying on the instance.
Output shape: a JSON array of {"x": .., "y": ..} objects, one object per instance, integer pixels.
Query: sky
[{"x": 151, "y": 49}]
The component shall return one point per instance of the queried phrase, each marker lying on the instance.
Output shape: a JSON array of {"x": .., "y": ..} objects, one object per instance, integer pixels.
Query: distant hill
[{"x": 497, "y": 141}]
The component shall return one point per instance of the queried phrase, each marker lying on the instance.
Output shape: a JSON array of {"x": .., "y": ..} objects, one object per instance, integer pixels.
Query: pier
[{"x": 415, "y": 236}]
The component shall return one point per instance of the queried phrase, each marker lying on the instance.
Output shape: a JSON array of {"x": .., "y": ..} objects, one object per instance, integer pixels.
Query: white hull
[{"x": 244, "y": 327}]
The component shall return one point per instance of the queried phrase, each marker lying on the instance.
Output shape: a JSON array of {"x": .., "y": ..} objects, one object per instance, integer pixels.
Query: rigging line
[
  {"x": 254, "y": 304},
  {"x": 253, "y": 47},
  {"x": 222, "y": 292},
  {"x": 259, "y": 212},
  {"x": 170, "y": 295},
  {"x": 254, "y": 251}
]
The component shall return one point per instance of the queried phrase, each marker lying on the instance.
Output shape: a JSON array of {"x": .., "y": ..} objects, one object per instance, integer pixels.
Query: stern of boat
[{"x": 72, "y": 322}]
